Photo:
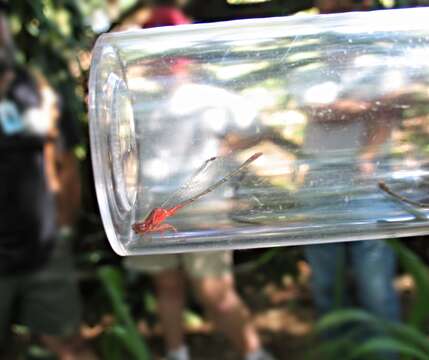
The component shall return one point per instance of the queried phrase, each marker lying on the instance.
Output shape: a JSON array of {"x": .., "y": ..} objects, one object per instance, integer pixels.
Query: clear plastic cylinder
[{"x": 337, "y": 105}]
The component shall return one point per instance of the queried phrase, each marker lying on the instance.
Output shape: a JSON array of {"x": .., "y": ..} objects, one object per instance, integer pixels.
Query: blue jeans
[{"x": 371, "y": 264}]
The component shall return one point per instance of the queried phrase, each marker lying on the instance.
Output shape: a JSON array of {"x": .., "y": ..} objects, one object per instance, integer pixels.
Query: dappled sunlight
[
  {"x": 284, "y": 137},
  {"x": 229, "y": 72}
]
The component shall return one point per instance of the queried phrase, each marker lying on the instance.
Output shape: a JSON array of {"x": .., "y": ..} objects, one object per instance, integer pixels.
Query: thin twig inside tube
[{"x": 389, "y": 191}]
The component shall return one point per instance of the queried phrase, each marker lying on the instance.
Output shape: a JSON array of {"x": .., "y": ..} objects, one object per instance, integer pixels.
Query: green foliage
[
  {"x": 49, "y": 34},
  {"x": 387, "y": 344},
  {"x": 123, "y": 334},
  {"x": 330, "y": 350},
  {"x": 111, "y": 349},
  {"x": 406, "y": 339},
  {"x": 412, "y": 265},
  {"x": 390, "y": 336}
]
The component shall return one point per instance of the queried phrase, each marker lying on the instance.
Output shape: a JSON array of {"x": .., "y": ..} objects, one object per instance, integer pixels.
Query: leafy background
[{"x": 55, "y": 37}]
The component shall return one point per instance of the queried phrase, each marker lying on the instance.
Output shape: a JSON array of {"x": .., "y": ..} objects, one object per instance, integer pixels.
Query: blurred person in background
[
  {"x": 337, "y": 6},
  {"x": 371, "y": 264},
  {"x": 149, "y": 14},
  {"x": 166, "y": 13},
  {"x": 360, "y": 139},
  {"x": 39, "y": 192},
  {"x": 210, "y": 273}
]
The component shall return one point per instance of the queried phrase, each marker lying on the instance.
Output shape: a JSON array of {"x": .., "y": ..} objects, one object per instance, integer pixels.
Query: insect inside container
[{"x": 154, "y": 222}]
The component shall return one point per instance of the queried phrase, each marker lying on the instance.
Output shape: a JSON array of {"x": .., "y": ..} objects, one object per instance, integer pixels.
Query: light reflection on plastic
[
  {"x": 235, "y": 71},
  {"x": 406, "y": 174},
  {"x": 393, "y": 80},
  {"x": 156, "y": 169},
  {"x": 324, "y": 93}
]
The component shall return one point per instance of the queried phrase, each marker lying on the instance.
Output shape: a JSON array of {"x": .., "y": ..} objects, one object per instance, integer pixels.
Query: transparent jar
[{"x": 337, "y": 105}]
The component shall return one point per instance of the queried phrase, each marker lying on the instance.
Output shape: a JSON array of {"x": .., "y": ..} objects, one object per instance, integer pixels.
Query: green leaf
[
  {"x": 110, "y": 349},
  {"x": 403, "y": 334},
  {"x": 410, "y": 335},
  {"x": 330, "y": 349},
  {"x": 382, "y": 344},
  {"x": 413, "y": 265},
  {"x": 127, "y": 341},
  {"x": 344, "y": 316},
  {"x": 113, "y": 284},
  {"x": 150, "y": 302}
]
